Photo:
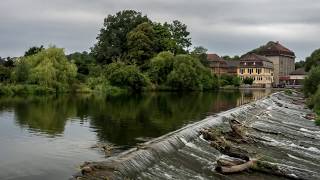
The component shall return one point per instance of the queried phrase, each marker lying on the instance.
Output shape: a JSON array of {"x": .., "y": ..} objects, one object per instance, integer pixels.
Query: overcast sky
[{"x": 225, "y": 27}]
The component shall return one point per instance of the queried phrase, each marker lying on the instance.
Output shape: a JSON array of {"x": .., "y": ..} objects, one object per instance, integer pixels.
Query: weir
[{"x": 285, "y": 137}]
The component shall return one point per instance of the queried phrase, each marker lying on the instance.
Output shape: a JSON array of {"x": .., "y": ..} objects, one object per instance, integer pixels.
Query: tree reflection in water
[{"x": 121, "y": 119}]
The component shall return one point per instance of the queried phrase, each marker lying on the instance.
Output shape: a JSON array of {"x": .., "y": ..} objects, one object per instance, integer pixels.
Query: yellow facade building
[{"x": 257, "y": 67}]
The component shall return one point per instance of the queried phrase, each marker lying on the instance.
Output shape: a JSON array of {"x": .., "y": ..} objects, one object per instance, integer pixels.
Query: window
[
  {"x": 258, "y": 70},
  {"x": 242, "y": 71}
]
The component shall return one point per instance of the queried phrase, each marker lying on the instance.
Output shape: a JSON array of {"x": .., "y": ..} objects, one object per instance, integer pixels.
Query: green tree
[
  {"x": 126, "y": 76},
  {"x": 4, "y": 73},
  {"x": 48, "y": 68},
  {"x": 236, "y": 81},
  {"x": 299, "y": 64},
  {"x": 84, "y": 61},
  {"x": 33, "y": 50},
  {"x": 201, "y": 53},
  {"x": 141, "y": 42},
  {"x": 21, "y": 71},
  {"x": 180, "y": 35},
  {"x": 248, "y": 80},
  {"x": 163, "y": 38},
  {"x": 189, "y": 74},
  {"x": 160, "y": 67},
  {"x": 312, "y": 81},
  {"x": 112, "y": 40},
  {"x": 312, "y": 60}
]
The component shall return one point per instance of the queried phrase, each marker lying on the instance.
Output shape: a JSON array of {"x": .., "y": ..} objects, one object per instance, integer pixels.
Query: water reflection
[{"x": 122, "y": 119}]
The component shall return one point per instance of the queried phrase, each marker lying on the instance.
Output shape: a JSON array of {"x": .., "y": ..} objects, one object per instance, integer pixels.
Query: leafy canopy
[
  {"x": 312, "y": 60},
  {"x": 48, "y": 68},
  {"x": 133, "y": 38}
]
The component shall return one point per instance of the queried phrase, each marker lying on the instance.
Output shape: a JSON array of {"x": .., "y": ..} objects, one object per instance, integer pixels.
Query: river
[{"x": 48, "y": 137}]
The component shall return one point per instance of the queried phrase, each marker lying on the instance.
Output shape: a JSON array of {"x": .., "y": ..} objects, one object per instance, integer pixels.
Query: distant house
[
  {"x": 282, "y": 59},
  {"x": 232, "y": 66},
  {"x": 217, "y": 64},
  {"x": 257, "y": 67},
  {"x": 297, "y": 76}
]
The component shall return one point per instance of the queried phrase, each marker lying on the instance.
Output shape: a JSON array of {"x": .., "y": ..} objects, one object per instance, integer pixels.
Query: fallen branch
[{"x": 235, "y": 168}]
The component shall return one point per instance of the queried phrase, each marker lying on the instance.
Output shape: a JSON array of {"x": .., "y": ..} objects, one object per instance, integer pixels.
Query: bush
[
  {"x": 189, "y": 74},
  {"x": 160, "y": 67},
  {"x": 248, "y": 81},
  {"x": 236, "y": 81},
  {"x": 312, "y": 82},
  {"x": 288, "y": 92},
  {"x": 25, "y": 90},
  {"x": 126, "y": 76},
  {"x": 227, "y": 80}
]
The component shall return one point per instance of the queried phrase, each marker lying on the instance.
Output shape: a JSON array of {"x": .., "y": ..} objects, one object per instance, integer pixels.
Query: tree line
[{"x": 131, "y": 53}]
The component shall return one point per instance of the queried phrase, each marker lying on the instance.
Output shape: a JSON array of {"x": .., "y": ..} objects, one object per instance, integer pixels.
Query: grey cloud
[{"x": 223, "y": 26}]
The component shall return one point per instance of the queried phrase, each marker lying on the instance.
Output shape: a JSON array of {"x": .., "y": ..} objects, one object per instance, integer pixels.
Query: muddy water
[{"x": 48, "y": 137}]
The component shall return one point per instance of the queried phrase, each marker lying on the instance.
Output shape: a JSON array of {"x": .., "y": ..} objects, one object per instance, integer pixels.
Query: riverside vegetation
[
  {"x": 132, "y": 53},
  {"x": 312, "y": 83}
]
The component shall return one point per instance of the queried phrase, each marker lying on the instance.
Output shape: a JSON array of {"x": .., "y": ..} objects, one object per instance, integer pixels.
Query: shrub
[
  {"x": 126, "y": 76},
  {"x": 312, "y": 81},
  {"x": 226, "y": 80},
  {"x": 236, "y": 81},
  {"x": 160, "y": 67},
  {"x": 189, "y": 74},
  {"x": 248, "y": 81}
]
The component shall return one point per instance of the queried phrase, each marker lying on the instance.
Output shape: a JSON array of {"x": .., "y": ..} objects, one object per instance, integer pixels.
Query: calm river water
[{"x": 49, "y": 137}]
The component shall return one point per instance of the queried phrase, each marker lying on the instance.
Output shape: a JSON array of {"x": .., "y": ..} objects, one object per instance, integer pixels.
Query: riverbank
[{"x": 285, "y": 137}]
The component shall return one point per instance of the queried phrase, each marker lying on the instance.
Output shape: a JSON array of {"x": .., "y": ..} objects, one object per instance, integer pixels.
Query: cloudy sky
[{"x": 226, "y": 27}]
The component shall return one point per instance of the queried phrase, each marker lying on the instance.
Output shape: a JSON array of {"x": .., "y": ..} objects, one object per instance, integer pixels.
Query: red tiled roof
[
  {"x": 254, "y": 60},
  {"x": 299, "y": 71},
  {"x": 254, "y": 57},
  {"x": 214, "y": 57},
  {"x": 274, "y": 49}
]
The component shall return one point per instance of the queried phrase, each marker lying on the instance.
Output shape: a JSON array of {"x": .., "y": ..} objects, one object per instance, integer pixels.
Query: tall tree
[
  {"x": 141, "y": 42},
  {"x": 180, "y": 35},
  {"x": 164, "y": 39},
  {"x": 200, "y": 53},
  {"x": 112, "y": 40},
  {"x": 33, "y": 50}
]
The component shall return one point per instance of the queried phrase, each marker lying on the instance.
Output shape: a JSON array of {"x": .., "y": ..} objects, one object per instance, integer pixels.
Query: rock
[{"x": 86, "y": 170}]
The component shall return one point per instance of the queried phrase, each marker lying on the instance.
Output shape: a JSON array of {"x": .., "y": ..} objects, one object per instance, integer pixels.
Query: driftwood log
[{"x": 236, "y": 168}]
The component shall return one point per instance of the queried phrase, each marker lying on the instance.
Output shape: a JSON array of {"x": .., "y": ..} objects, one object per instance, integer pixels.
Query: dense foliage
[
  {"x": 132, "y": 37},
  {"x": 181, "y": 72},
  {"x": 312, "y": 82},
  {"x": 33, "y": 50},
  {"x": 248, "y": 81},
  {"x": 48, "y": 68},
  {"x": 229, "y": 80},
  {"x": 312, "y": 60},
  {"x": 132, "y": 53}
]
